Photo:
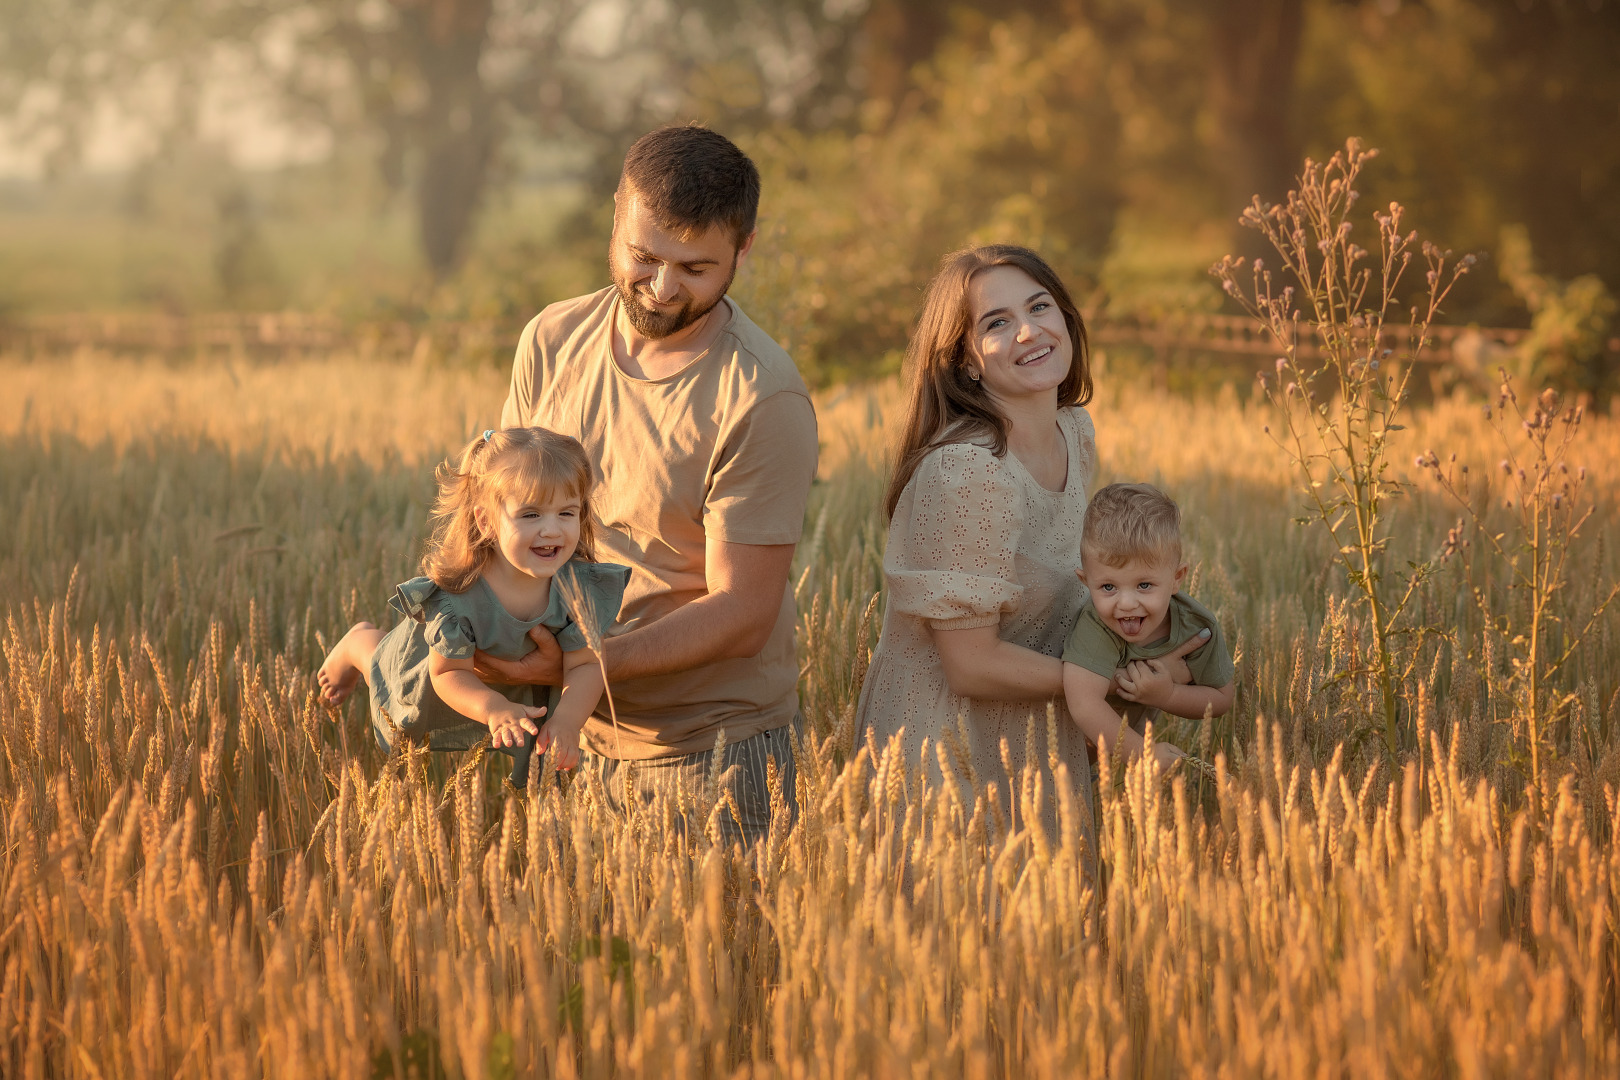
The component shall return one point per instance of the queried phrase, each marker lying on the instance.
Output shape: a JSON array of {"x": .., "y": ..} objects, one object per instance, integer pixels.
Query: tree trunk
[
  {"x": 1256, "y": 46},
  {"x": 457, "y": 126},
  {"x": 897, "y": 36}
]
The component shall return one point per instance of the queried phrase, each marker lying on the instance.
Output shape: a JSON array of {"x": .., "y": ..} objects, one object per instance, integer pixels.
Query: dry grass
[{"x": 205, "y": 874}]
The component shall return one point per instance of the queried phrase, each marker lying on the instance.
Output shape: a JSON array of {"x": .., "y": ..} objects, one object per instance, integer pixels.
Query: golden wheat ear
[{"x": 583, "y": 607}]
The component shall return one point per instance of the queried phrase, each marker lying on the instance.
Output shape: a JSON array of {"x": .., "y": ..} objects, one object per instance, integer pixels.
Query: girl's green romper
[{"x": 455, "y": 624}]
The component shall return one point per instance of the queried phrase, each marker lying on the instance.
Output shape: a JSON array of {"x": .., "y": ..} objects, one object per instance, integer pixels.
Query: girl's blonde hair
[{"x": 530, "y": 463}]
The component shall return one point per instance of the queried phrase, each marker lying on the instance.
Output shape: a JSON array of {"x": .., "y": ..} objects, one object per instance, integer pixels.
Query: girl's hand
[
  {"x": 563, "y": 740},
  {"x": 508, "y": 722}
]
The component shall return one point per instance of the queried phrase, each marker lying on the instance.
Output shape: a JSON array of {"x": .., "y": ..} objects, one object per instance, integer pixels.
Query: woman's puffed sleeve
[
  {"x": 601, "y": 589},
  {"x": 446, "y": 631},
  {"x": 1086, "y": 436},
  {"x": 953, "y": 540}
]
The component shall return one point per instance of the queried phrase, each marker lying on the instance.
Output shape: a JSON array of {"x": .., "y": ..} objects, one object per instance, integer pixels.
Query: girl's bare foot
[{"x": 345, "y": 664}]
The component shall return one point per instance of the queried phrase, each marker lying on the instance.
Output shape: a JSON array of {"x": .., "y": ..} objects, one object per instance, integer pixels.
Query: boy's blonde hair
[
  {"x": 527, "y": 462},
  {"x": 1131, "y": 521}
]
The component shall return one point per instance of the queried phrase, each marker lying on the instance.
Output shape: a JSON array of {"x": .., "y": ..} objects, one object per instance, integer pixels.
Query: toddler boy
[{"x": 1130, "y": 561}]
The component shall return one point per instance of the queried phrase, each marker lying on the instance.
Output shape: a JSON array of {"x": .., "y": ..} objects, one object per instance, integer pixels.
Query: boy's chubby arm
[
  {"x": 1086, "y": 692},
  {"x": 1148, "y": 682},
  {"x": 463, "y": 691}
]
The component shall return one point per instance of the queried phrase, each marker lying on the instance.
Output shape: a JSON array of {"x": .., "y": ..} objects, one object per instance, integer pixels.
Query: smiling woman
[{"x": 986, "y": 509}]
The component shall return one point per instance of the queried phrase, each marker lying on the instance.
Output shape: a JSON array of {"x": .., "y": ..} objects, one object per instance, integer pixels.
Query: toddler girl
[{"x": 511, "y": 547}]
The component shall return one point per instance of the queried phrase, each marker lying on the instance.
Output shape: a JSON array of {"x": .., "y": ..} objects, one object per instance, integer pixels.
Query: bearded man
[{"x": 702, "y": 439}]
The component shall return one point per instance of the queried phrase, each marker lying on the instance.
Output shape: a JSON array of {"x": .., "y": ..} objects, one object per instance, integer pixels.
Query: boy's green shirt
[{"x": 1093, "y": 646}]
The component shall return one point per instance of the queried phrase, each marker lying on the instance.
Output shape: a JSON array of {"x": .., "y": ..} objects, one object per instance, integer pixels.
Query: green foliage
[
  {"x": 1571, "y": 322},
  {"x": 1009, "y": 142},
  {"x": 1488, "y": 113},
  {"x": 419, "y": 1058}
]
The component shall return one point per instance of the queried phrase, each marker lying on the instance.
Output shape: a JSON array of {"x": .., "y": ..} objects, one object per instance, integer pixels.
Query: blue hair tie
[{"x": 487, "y": 433}]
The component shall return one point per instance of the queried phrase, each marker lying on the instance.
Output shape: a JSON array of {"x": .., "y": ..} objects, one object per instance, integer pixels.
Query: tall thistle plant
[{"x": 1347, "y": 344}]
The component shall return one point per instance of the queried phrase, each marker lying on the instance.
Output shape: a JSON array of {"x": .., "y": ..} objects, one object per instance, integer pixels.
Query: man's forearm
[{"x": 716, "y": 626}]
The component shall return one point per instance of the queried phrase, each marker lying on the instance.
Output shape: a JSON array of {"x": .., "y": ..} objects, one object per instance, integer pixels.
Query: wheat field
[{"x": 206, "y": 874}]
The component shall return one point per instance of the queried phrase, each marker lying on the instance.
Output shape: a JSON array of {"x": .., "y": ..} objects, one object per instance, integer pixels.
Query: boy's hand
[
  {"x": 508, "y": 723},
  {"x": 1167, "y": 757},
  {"x": 1147, "y": 682},
  {"x": 563, "y": 742},
  {"x": 1175, "y": 661}
]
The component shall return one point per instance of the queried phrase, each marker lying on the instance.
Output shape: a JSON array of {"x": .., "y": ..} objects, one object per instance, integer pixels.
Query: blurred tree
[
  {"x": 1010, "y": 135},
  {"x": 436, "y": 85},
  {"x": 244, "y": 269},
  {"x": 1121, "y": 136},
  {"x": 1487, "y": 113},
  {"x": 1254, "y": 49},
  {"x": 896, "y": 36}
]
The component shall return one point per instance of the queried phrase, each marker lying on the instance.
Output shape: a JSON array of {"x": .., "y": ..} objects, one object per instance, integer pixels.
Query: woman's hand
[
  {"x": 543, "y": 667},
  {"x": 978, "y": 664}
]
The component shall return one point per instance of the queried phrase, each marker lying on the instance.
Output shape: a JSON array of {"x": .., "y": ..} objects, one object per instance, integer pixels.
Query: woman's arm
[
  {"x": 581, "y": 689},
  {"x": 978, "y": 664},
  {"x": 459, "y": 688}
]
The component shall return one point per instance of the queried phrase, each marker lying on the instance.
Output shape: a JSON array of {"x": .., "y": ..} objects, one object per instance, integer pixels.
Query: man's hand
[
  {"x": 1147, "y": 682},
  {"x": 733, "y": 620},
  {"x": 543, "y": 667}
]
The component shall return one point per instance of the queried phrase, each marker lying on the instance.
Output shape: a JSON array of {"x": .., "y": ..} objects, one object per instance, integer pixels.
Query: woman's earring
[{"x": 972, "y": 376}]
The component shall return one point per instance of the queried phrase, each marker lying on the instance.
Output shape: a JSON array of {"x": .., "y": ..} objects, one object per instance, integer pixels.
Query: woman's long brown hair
[{"x": 943, "y": 404}]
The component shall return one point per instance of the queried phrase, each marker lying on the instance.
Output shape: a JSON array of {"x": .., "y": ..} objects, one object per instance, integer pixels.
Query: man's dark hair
[{"x": 693, "y": 179}]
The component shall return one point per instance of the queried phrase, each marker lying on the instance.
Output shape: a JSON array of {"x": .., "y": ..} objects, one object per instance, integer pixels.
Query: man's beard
[{"x": 656, "y": 325}]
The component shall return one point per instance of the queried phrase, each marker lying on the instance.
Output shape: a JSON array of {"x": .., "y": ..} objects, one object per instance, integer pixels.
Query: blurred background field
[{"x": 436, "y": 161}]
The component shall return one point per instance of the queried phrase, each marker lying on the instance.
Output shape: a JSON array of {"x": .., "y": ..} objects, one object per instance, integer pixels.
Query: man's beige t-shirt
[{"x": 725, "y": 447}]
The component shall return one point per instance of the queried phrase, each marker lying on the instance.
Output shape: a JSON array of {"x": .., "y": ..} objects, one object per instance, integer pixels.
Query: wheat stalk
[{"x": 587, "y": 618}]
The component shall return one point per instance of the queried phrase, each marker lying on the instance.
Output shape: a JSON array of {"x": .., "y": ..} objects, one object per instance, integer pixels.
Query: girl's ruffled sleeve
[
  {"x": 447, "y": 631},
  {"x": 953, "y": 541},
  {"x": 600, "y": 592}
]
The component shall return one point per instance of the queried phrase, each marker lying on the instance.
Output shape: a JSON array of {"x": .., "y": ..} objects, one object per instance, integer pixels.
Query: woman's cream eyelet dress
[{"x": 975, "y": 541}]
